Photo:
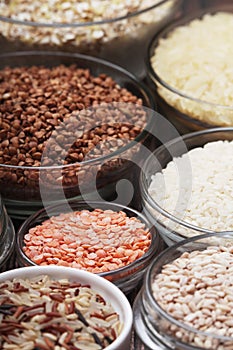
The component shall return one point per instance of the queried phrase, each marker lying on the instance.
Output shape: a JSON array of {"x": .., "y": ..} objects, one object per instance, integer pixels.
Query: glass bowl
[
  {"x": 159, "y": 328},
  {"x": 119, "y": 33},
  {"x": 7, "y": 240},
  {"x": 106, "y": 290},
  {"x": 187, "y": 99},
  {"x": 24, "y": 187},
  {"x": 126, "y": 276},
  {"x": 172, "y": 223}
]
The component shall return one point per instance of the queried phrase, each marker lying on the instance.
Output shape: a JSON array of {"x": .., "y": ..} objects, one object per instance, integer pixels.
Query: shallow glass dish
[
  {"x": 119, "y": 32},
  {"x": 157, "y": 328},
  {"x": 23, "y": 187},
  {"x": 128, "y": 277},
  {"x": 182, "y": 107},
  {"x": 106, "y": 290},
  {"x": 171, "y": 227},
  {"x": 7, "y": 240}
]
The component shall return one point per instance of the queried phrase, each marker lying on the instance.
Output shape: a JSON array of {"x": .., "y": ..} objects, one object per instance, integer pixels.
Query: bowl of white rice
[
  {"x": 187, "y": 185},
  {"x": 189, "y": 66}
]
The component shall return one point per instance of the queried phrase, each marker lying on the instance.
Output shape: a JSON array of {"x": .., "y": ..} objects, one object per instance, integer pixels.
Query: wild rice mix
[
  {"x": 44, "y": 314},
  {"x": 197, "y": 290}
]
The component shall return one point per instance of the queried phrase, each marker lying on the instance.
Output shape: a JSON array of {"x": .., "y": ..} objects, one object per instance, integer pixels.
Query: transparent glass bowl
[
  {"x": 7, "y": 240},
  {"x": 126, "y": 278},
  {"x": 171, "y": 228},
  {"x": 24, "y": 197},
  {"x": 105, "y": 288},
  {"x": 153, "y": 324},
  {"x": 186, "y": 112},
  {"x": 122, "y": 40}
]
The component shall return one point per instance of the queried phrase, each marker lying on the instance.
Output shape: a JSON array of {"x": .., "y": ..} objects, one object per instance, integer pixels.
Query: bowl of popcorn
[
  {"x": 186, "y": 185},
  {"x": 108, "y": 239},
  {"x": 186, "y": 302},
  {"x": 53, "y": 307},
  {"x": 71, "y": 125},
  {"x": 119, "y": 32},
  {"x": 189, "y": 67}
]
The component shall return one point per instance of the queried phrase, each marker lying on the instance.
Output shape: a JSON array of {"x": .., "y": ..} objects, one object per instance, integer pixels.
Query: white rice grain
[
  {"x": 196, "y": 60},
  {"x": 210, "y": 204}
]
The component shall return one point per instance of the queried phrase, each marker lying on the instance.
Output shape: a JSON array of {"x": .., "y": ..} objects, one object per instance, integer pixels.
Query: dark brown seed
[{"x": 81, "y": 317}]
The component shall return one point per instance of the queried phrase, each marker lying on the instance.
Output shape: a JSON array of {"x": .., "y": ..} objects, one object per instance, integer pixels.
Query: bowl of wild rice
[
  {"x": 70, "y": 125},
  {"x": 119, "y": 31},
  {"x": 186, "y": 301},
  {"x": 187, "y": 185},
  {"x": 53, "y": 307},
  {"x": 189, "y": 68}
]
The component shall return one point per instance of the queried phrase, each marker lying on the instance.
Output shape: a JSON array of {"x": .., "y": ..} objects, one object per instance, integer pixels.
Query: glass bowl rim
[
  {"x": 83, "y": 24},
  {"x": 148, "y": 278},
  {"x": 103, "y": 63},
  {"x": 143, "y": 180},
  {"x": 155, "y": 237},
  {"x": 168, "y": 29}
]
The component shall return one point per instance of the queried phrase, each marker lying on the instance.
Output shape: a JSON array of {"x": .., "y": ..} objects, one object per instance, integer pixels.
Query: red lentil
[{"x": 96, "y": 241}]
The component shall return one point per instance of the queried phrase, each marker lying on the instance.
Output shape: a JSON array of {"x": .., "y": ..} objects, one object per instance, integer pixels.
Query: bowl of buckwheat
[
  {"x": 108, "y": 239},
  {"x": 71, "y": 126},
  {"x": 118, "y": 31},
  {"x": 186, "y": 302},
  {"x": 53, "y": 307}
]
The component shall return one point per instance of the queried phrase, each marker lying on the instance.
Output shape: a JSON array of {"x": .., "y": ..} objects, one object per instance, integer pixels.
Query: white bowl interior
[{"x": 106, "y": 289}]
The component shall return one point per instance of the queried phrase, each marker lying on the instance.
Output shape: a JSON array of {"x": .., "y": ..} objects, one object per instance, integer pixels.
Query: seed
[{"x": 85, "y": 245}]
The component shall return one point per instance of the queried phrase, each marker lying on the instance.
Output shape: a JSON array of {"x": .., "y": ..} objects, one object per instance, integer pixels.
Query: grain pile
[
  {"x": 196, "y": 290},
  {"x": 204, "y": 200},
  {"x": 43, "y": 313},
  {"x": 196, "y": 60}
]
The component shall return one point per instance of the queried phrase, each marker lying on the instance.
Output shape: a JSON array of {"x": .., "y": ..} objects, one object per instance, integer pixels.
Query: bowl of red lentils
[
  {"x": 70, "y": 125},
  {"x": 186, "y": 302},
  {"x": 111, "y": 240},
  {"x": 55, "y": 307},
  {"x": 118, "y": 31}
]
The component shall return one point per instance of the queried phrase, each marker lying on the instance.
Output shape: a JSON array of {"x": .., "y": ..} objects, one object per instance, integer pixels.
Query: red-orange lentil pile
[{"x": 97, "y": 241}]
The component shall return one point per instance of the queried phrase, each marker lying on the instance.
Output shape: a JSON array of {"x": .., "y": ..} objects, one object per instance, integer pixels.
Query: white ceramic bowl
[{"x": 105, "y": 288}]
